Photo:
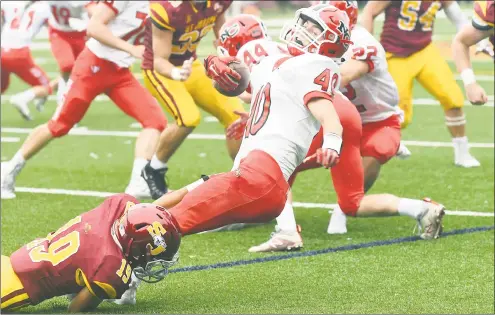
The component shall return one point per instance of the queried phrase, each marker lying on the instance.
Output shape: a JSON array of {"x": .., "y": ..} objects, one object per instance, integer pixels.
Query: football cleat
[
  {"x": 430, "y": 223},
  {"x": 280, "y": 241},
  {"x": 403, "y": 152},
  {"x": 155, "y": 180},
  {"x": 39, "y": 103},
  {"x": 338, "y": 222},
  {"x": 467, "y": 161},
  {"x": 138, "y": 188},
  {"x": 8, "y": 181},
  {"x": 20, "y": 102}
]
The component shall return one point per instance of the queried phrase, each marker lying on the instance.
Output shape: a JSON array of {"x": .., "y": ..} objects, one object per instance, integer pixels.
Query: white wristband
[
  {"x": 176, "y": 74},
  {"x": 194, "y": 185},
  {"x": 332, "y": 141},
  {"x": 467, "y": 76}
]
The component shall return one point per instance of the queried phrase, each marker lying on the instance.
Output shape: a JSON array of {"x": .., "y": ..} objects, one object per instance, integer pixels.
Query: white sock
[
  {"x": 61, "y": 91},
  {"x": 18, "y": 159},
  {"x": 286, "y": 220},
  {"x": 28, "y": 95},
  {"x": 139, "y": 164},
  {"x": 156, "y": 163},
  {"x": 411, "y": 207}
]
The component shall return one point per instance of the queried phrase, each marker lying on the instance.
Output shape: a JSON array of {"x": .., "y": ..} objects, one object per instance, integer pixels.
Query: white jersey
[
  {"x": 280, "y": 122},
  {"x": 374, "y": 94},
  {"x": 128, "y": 24},
  {"x": 22, "y": 23},
  {"x": 252, "y": 52},
  {"x": 63, "y": 11}
]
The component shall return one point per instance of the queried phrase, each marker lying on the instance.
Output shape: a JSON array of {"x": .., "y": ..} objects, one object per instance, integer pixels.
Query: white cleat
[
  {"x": 129, "y": 296},
  {"x": 20, "y": 102},
  {"x": 403, "y": 152},
  {"x": 467, "y": 161},
  {"x": 280, "y": 241},
  {"x": 338, "y": 222},
  {"x": 39, "y": 103},
  {"x": 138, "y": 189},
  {"x": 7, "y": 181},
  {"x": 430, "y": 223}
]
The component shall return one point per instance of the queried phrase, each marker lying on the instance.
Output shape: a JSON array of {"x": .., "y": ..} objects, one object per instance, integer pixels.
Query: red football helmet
[
  {"x": 349, "y": 7},
  {"x": 240, "y": 30},
  {"x": 321, "y": 29},
  {"x": 150, "y": 240}
]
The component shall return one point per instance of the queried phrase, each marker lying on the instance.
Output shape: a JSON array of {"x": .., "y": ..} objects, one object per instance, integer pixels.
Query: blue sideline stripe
[{"x": 325, "y": 251}]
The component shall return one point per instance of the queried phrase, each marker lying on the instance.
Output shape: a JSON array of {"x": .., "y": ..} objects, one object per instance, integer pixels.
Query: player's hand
[
  {"x": 187, "y": 69},
  {"x": 236, "y": 129},
  {"x": 217, "y": 68},
  {"x": 476, "y": 94},
  {"x": 137, "y": 51},
  {"x": 324, "y": 156},
  {"x": 484, "y": 47}
]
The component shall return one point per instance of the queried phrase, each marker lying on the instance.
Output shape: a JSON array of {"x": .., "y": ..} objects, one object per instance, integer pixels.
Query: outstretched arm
[
  {"x": 83, "y": 302},
  {"x": 371, "y": 11}
]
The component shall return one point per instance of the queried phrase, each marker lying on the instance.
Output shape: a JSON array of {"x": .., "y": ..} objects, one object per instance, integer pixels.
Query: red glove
[
  {"x": 236, "y": 129},
  {"x": 217, "y": 68}
]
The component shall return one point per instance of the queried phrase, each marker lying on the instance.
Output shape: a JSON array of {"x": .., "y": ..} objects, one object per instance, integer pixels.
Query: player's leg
[
  {"x": 28, "y": 71},
  {"x": 131, "y": 97},
  {"x": 255, "y": 192},
  {"x": 176, "y": 100},
  {"x": 13, "y": 295},
  {"x": 5, "y": 79},
  {"x": 65, "y": 57},
  {"x": 437, "y": 78},
  {"x": 220, "y": 106},
  {"x": 379, "y": 143},
  {"x": 81, "y": 93}
]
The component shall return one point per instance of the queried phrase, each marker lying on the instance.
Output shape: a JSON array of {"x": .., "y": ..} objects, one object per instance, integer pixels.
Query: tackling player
[
  {"x": 93, "y": 256},
  {"x": 406, "y": 37},
  {"x": 470, "y": 34},
  {"x": 21, "y": 22},
  {"x": 348, "y": 174},
  {"x": 116, "y": 30},
  {"x": 177, "y": 80}
]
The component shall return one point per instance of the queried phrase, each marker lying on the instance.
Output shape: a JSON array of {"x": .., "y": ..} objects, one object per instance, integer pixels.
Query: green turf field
[{"x": 453, "y": 274}]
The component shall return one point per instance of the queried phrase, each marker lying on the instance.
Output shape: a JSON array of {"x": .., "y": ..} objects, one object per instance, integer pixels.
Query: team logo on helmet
[
  {"x": 344, "y": 30},
  {"x": 230, "y": 32},
  {"x": 157, "y": 231}
]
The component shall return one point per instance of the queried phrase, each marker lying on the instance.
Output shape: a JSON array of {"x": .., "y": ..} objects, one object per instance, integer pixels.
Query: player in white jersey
[
  {"x": 347, "y": 175},
  {"x": 103, "y": 67},
  {"x": 22, "y": 21}
]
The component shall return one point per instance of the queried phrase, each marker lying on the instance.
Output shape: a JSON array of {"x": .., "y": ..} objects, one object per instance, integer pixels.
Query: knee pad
[
  {"x": 158, "y": 123},
  {"x": 191, "y": 121},
  {"x": 58, "y": 128}
]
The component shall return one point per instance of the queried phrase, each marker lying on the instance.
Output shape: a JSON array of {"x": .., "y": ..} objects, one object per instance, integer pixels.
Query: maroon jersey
[
  {"x": 189, "y": 23},
  {"x": 82, "y": 253},
  {"x": 408, "y": 26},
  {"x": 484, "y": 16}
]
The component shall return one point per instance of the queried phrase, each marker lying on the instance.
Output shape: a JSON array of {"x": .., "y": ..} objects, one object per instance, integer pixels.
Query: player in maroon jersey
[
  {"x": 482, "y": 27},
  {"x": 93, "y": 256}
]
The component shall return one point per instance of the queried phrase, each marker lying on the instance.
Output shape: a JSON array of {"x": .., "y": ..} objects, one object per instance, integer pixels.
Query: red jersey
[
  {"x": 408, "y": 26},
  {"x": 189, "y": 23},
  {"x": 484, "y": 16},
  {"x": 82, "y": 253}
]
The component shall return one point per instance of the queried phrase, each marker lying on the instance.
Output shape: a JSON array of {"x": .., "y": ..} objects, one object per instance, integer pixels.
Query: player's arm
[
  {"x": 454, "y": 14},
  {"x": 171, "y": 199},
  {"x": 371, "y": 11},
  {"x": 216, "y": 28},
  {"x": 322, "y": 109},
  {"x": 162, "y": 49},
  {"x": 98, "y": 29},
  {"x": 352, "y": 70},
  {"x": 84, "y": 301}
]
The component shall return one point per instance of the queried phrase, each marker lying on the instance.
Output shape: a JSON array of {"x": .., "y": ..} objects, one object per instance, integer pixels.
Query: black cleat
[{"x": 155, "y": 180}]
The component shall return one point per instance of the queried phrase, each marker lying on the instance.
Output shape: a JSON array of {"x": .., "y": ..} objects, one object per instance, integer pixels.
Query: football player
[
  {"x": 470, "y": 34},
  {"x": 116, "y": 30},
  {"x": 66, "y": 41},
  {"x": 93, "y": 256},
  {"x": 22, "y": 21},
  {"x": 406, "y": 37},
  {"x": 177, "y": 79},
  {"x": 348, "y": 175}
]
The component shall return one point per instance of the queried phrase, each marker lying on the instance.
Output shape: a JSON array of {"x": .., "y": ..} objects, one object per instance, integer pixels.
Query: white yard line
[
  {"x": 308, "y": 205},
  {"x": 9, "y": 139},
  {"x": 198, "y": 136}
]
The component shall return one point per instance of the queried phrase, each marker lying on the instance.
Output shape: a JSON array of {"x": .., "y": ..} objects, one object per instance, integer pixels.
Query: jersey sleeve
[
  {"x": 161, "y": 15},
  {"x": 366, "y": 48},
  {"x": 110, "y": 281},
  {"x": 484, "y": 15},
  {"x": 315, "y": 78}
]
